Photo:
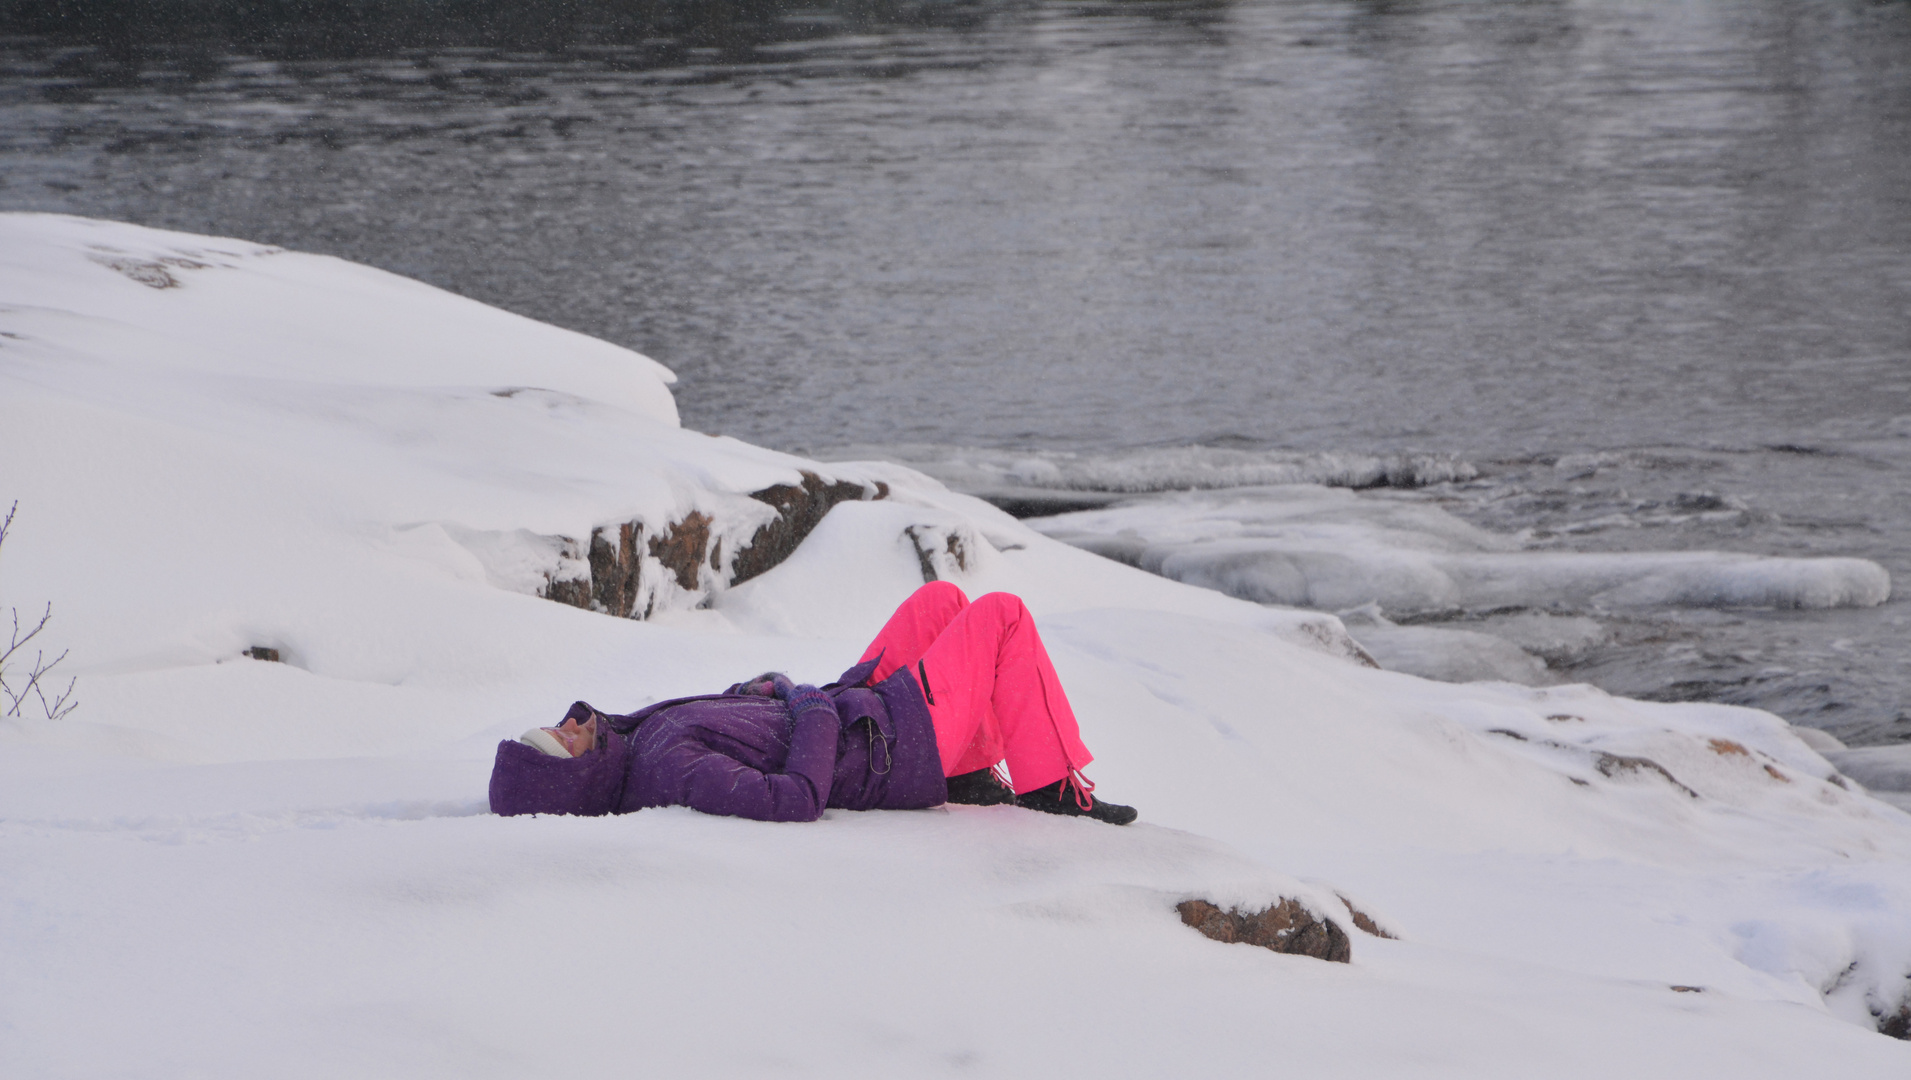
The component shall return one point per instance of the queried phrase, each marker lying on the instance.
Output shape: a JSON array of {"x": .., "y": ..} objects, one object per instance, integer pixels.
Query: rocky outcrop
[
  {"x": 1612, "y": 765},
  {"x": 681, "y": 549},
  {"x": 616, "y": 572},
  {"x": 1897, "y": 1024},
  {"x": 1363, "y": 921},
  {"x": 630, "y": 561},
  {"x": 152, "y": 273},
  {"x": 573, "y": 591},
  {"x": 939, "y": 545},
  {"x": 1726, "y": 747},
  {"x": 1333, "y": 639},
  {"x": 799, "y": 507},
  {"x": 1286, "y": 927}
]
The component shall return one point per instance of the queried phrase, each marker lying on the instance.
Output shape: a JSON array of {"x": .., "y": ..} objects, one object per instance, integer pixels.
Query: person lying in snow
[{"x": 947, "y": 689}]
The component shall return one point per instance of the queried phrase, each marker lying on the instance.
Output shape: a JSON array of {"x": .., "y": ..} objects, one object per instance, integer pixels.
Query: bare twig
[
  {"x": 61, "y": 703},
  {"x": 37, "y": 674},
  {"x": 38, "y": 671},
  {"x": 16, "y": 642}
]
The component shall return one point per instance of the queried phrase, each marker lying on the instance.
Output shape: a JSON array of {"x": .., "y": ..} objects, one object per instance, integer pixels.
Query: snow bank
[
  {"x": 1443, "y": 654},
  {"x": 223, "y": 865},
  {"x": 1324, "y": 548},
  {"x": 219, "y": 307}
]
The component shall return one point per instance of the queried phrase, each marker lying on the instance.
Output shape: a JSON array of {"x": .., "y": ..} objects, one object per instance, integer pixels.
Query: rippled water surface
[{"x": 1644, "y": 268}]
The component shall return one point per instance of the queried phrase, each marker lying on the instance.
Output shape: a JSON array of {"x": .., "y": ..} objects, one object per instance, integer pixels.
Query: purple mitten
[
  {"x": 806, "y": 697},
  {"x": 769, "y": 684}
]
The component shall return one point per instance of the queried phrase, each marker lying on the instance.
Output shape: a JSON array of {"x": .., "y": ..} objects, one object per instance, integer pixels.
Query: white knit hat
[{"x": 543, "y": 740}]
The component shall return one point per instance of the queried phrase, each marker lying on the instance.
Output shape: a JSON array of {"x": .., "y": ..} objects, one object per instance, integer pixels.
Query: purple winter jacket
[{"x": 741, "y": 755}]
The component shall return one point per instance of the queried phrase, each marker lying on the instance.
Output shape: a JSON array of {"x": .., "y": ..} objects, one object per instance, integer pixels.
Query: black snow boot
[
  {"x": 980, "y": 788},
  {"x": 1057, "y": 799}
]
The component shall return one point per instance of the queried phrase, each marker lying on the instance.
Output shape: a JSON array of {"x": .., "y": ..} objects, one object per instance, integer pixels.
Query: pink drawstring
[{"x": 1084, "y": 787}]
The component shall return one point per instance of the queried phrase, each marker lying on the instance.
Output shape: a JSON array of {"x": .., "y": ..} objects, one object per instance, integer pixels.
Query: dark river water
[{"x": 1643, "y": 269}]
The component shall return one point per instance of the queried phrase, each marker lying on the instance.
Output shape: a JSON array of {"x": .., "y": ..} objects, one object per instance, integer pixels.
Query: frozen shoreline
[
  {"x": 1614, "y": 568},
  {"x": 231, "y": 865}
]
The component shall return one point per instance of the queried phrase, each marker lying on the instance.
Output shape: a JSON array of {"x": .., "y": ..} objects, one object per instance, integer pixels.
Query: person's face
[{"x": 577, "y": 738}]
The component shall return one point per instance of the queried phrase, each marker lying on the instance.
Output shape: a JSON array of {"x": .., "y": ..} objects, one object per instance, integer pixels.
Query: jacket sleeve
[{"x": 719, "y": 784}]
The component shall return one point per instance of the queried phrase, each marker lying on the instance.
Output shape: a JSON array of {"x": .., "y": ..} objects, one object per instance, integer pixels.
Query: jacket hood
[{"x": 525, "y": 780}]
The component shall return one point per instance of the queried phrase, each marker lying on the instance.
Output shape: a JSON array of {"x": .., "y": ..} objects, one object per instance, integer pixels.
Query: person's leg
[
  {"x": 990, "y": 659},
  {"x": 913, "y": 628},
  {"x": 917, "y": 623}
]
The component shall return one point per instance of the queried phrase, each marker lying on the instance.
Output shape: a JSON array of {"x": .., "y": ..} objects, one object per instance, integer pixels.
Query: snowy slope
[{"x": 223, "y": 866}]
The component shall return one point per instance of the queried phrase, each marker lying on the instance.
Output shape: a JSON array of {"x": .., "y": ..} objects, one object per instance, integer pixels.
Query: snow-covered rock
[
  {"x": 1822, "y": 741},
  {"x": 1885, "y": 771}
]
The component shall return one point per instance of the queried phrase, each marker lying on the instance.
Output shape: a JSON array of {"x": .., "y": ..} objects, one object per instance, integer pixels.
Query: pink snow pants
[{"x": 992, "y": 692}]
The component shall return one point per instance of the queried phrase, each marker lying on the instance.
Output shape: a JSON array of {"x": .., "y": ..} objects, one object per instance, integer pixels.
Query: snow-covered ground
[{"x": 224, "y": 866}]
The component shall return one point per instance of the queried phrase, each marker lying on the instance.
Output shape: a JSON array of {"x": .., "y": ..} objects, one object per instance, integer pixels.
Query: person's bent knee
[
  {"x": 1005, "y": 605},
  {"x": 946, "y": 591},
  {"x": 942, "y": 592}
]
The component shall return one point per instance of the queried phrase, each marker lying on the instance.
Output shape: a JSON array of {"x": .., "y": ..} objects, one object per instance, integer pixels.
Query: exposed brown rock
[
  {"x": 1364, "y": 921},
  {"x": 686, "y": 547},
  {"x": 1897, "y": 1024},
  {"x": 1607, "y": 764},
  {"x": 1688, "y": 989},
  {"x": 924, "y": 560},
  {"x": 615, "y": 567},
  {"x": 681, "y": 547},
  {"x": 575, "y": 592},
  {"x": 1286, "y": 927},
  {"x": 957, "y": 551},
  {"x": 939, "y": 546},
  {"x": 1724, "y": 747},
  {"x": 616, "y": 564},
  {"x": 263, "y": 652},
  {"x": 799, "y": 508}
]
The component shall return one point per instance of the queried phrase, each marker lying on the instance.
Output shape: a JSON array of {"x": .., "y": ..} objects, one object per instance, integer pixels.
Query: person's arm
[{"x": 719, "y": 784}]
